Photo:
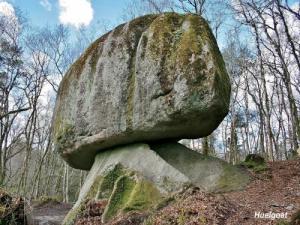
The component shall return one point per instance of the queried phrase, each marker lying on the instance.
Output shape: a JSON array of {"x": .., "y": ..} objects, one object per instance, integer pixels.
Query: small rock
[{"x": 290, "y": 207}]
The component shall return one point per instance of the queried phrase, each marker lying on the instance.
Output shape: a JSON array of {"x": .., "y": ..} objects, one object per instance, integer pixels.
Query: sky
[
  {"x": 74, "y": 13},
  {"x": 104, "y": 14}
]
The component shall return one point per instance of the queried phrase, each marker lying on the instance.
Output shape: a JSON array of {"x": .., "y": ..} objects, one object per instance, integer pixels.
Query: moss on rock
[
  {"x": 93, "y": 52},
  {"x": 143, "y": 196},
  {"x": 255, "y": 162},
  {"x": 108, "y": 182},
  {"x": 65, "y": 135},
  {"x": 130, "y": 192},
  {"x": 119, "y": 197}
]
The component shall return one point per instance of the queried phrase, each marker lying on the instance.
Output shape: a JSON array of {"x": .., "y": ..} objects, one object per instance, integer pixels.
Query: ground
[{"x": 275, "y": 190}]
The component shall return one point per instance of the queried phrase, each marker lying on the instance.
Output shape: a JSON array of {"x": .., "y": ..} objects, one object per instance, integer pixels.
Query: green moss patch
[
  {"x": 143, "y": 196},
  {"x": 161, "y": 46},
  {"x": 130, "y": 93},
  {"x": 64, "y": 135},
  {"x": 131, "y": 193},
  {"x": 108, "y": 182},
  {"x": 162, "y": 29},
  {"x": 119, "y": 197},
  {"x": 255, "y": 162},
  {"x": 189, "y": 44}
]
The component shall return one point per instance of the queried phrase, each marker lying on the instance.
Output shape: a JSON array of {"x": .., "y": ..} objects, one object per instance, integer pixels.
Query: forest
[{"x": 260, "y": 44}]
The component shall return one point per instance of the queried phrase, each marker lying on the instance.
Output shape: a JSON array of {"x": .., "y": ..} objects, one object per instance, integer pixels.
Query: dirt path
[{"x": 48, "y": 214}]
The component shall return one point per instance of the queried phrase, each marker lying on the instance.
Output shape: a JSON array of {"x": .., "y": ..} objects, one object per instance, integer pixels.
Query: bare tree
[
  {"x": 193, "y": 6},
  {"x": 269, "y": 25},
  {"x": 13, "y": 78}
]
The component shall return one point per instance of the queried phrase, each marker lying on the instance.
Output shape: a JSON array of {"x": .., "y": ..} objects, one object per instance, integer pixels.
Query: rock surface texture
[
  {"x": 141, "y": 177},
  {"x": 156, "y": 77}
]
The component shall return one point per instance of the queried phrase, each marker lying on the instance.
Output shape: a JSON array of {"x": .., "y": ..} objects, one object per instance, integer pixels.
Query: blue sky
[
  {"x": 76, "y": 13},
  {"x": 73, "y": 12},
  {"x": 47, "y": 12}
]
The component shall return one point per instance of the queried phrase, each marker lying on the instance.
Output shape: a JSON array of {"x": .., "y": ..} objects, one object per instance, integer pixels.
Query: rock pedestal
[{"x": 139, "y": 177}]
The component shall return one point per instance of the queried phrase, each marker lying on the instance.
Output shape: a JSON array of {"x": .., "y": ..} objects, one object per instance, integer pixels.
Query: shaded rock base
[{"x": 140, "y": 177}]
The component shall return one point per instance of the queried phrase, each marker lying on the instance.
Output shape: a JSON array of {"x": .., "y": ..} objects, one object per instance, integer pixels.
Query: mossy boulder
[
  {"x": 155, "y": 77},
  {"x": 255, "y": 162},
  {"x": 255, "y": 158},
  {"x": 141, "y": 177}
]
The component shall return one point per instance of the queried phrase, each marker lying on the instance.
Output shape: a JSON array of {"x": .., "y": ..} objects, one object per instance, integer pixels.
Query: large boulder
[
  {"x": 140, "y": 177},
  {"x": 156, "y": 77}
]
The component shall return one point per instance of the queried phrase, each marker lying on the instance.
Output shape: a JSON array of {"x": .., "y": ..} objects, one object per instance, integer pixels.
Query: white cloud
[
  {"x": 46, "y": 4},
  {"x": 76, "y": 12},
  {"x": 6, "y": 9}
]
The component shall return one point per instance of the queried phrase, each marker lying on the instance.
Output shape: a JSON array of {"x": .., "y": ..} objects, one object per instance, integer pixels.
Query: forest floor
[{"x": 275, "y": 190}]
